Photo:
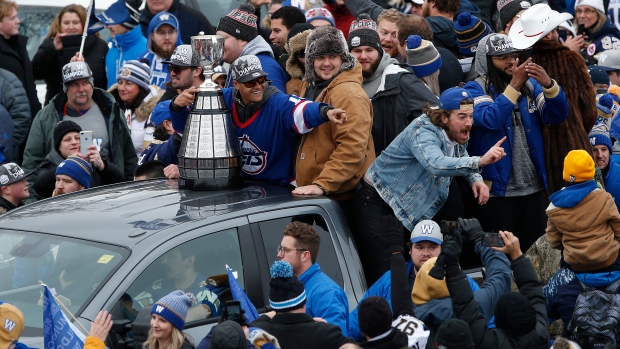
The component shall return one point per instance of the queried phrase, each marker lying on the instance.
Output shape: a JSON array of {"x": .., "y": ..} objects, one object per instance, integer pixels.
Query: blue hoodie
[
  {"x": 570, "y": 196},
  {"x": 123, "y": 48},
  {"x": 159, "y": 70}
]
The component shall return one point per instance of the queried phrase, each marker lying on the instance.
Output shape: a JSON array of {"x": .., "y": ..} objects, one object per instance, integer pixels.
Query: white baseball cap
[{"x": 427, "y": 230}]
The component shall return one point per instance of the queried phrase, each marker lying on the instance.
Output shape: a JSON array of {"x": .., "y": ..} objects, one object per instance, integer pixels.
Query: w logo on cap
[
  {"x": 164, "y": 17},
  {"x": 9, "y": 325},
  {"x": 159, "y": 309},
  {"x": 427, "y": 229}
]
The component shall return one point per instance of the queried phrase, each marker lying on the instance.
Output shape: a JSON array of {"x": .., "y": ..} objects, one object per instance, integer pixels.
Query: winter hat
[
  {"x": 298, "y": 28},
  {"x": 75, "y": 71},
  {"x": 508, "y": 9},
  {"x": 514, "y": 313},
  {"x": 295, "y": 44},
  {"x": 324, "y": 41},
  {"x": 262, "y": 340},
  {"x": 597, "y": 4},
  {"x": 599, "y": 135},
  {"x": 454, "y": 334},
  {"x": 422, "y": 56},
  {"x": 469, "y": 30},
  {"x": 427, "y": 287},
  {"x": 173, "y": 307},
  {"x": 320, "y": 13},
  {"x": 598, "y": 75},
  {"x": 125, "y": 13},
  {"x": 605, "y": 108},
  {"x": 228, "y": 335},
  {"x": 137, "y": 72},
  {"x": 12, "y": 320},
  {"x": 286, "y": 292},
  {"x": 77, "y": 168},
  {"x": 578, "y": 166},
  {"x": 62, "y": 128},
  {"x": 363, "y": 32},
  {"x": 375, "y": 316},
  {"x": 240, "y": 23}
]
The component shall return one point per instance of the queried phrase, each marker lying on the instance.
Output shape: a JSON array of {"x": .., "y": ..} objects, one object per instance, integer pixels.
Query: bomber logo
[{"x": 254, "y": 159}]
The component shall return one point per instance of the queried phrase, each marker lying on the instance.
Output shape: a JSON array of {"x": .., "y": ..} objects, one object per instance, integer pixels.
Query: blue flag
[
  {"x": 58, "y": 331},
  {"x": 239, "y": 295}
]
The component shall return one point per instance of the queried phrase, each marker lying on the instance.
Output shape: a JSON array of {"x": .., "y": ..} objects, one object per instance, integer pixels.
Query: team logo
[
  {"x": 9, "y": 325},
  {"x": 4, "y": 179},
  {"x": 254, "y": 159},
  {"x": 355, "y": 41},
  {"x": 427, "y": 229},
  {"x": 164, "y": 17},
  {"x": 125, "y": 73},
  {"x": 591, "y": 49},
  {"x": 572, "y": 178},
  {"x": 159, "y": 309}
]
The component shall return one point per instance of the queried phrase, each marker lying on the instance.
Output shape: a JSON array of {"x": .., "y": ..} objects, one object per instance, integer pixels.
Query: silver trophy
[{"x": 210, "y": 157}]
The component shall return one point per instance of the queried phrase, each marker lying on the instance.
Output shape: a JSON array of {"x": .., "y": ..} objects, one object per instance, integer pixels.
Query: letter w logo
[
  {"x": 9, "y": 325},
  {"x": 159, "y": 309},
  {"x": 427, "y": 229}
]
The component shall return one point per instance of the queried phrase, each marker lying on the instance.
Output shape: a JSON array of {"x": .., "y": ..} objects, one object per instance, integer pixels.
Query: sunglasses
[
  {"x": 176, "y": 69},
  {"x": 253, "y": 83},
  {"x": 300, "y": 54}
]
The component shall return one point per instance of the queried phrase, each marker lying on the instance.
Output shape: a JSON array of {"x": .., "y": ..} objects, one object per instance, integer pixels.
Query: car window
[
  {"x": 272, "y": 233},
  {"x": 197, "y": 267},
  {"x": 74, "y": 268}
]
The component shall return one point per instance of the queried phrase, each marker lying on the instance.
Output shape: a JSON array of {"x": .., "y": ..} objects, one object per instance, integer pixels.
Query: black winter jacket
[
  {"x": 47, "y": 64},
  {"x": 14, "y": 98},
  {"x": 14, "y": 58},
  {"x": 191, "y": 21}
]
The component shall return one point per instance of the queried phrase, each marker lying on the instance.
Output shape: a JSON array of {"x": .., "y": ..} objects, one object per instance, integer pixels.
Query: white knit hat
[{"x": 597, "y": 4}]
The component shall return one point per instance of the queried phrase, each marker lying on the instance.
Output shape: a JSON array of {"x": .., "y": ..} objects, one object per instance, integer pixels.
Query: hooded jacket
[
  {"x": 123, "y": 48},
  {"x": 584, "y": 222},
  {"x": 15, "y": 100},
  {"x": 191, "y": 21},
  {"x": 14, "y": 58},
  {"x": 260, "y": 48},
  {"x": 159, "y": 70},
  {"x": 443, "y": 33}
]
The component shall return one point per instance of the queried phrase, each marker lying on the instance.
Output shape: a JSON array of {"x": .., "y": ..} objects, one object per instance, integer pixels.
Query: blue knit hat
[
  {"x": 77, "y": 168},
  {"x": 422, "y": 56},
  {"x": 600, "y": 136},
  {"x": 173, "y": 308},
  {"x": 469, "y": 31},
  {"x": 286, "y": 292},
  {"x": 320, "y": 13}
]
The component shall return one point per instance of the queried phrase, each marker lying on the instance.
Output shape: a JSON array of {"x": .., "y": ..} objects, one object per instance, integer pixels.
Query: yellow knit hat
[
  {"x": 578, "y": 166},
  {"x": 427, "y": 287}
]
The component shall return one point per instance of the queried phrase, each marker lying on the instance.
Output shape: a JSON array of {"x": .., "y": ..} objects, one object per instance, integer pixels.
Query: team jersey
[{"x": 417, "y": 333}]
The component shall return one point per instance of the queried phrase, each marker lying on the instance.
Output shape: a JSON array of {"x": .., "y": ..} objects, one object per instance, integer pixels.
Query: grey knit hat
[
  {"x": 325, "y": 41},
  {"x": 240, "y": 23},
  {"x": 422, "y": 56},
  {"x": 137, "y": 72}
]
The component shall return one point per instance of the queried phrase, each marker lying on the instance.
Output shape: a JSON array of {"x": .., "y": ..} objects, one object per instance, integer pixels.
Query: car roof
[{"x": 124, "y": 213}]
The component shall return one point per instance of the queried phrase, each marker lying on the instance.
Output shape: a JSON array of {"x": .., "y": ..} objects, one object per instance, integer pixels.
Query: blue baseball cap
[
  {"x": 117, "y": 13},
  {"x": 598, "y": 75},
  {"x": 451, "y": 98},
  {"x": 160, "y": 113}
]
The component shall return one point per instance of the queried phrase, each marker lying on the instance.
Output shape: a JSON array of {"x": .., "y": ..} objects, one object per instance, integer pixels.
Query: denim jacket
[{"x": 414, "y": 172}]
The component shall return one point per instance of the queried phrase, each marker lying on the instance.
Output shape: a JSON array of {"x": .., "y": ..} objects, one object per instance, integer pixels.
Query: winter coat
[
  {"x": 41, "y": 137},
  {"x": 159, "y": 70},
  {"x": 45, "y": 181},
  {"x": 205, "y": 343},
  {"x": 259, "y": 47},
  {"x": 443, "y": 33},
  {"x": 191, "y": 21},
  {"x": 6, "y": 136},
  {"x": 606, "y": 38},
  {"x": 14, "y": 58},
  {"x": 584, "y": 222},
  {"x": 396, "y": 339},
  {"x": 93, "y": 343},
  {"x": 14, "y": 98},
  {"x": 337, "y": 156},
  {"x": 6, "y": 205},
  {"x": 612, "y": 181},
  {"x": 465, "y": 308},
  {"x": 300, "y": 331},
  {"x": 123, "y": 48},
  {"x": 166, "y": 151},
  {"x": 47, "y": 64}
]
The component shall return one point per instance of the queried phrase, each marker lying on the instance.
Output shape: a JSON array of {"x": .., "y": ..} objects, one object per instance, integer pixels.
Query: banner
[
  {"x": 58, "y": 331},
  {"x": 239, "y": 295}
]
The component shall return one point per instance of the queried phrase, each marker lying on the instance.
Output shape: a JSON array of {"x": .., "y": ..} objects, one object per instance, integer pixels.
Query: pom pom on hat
[
  {"x": 422, "y": 56},
  {"x": 469, "y": 31},
  {"x": 606, "y": 100},
  {"x": 464, "y": 18},
  {"x": 281, "y": 269},
  {"x": 414, "y": 41},
  {"x": 247, "y": 7},
  {"x": 615, "y": 91},
  {"x": 286, "y": 292}
]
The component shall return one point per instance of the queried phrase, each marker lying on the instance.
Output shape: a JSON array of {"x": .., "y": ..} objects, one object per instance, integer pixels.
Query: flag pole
[{"x": 88, "y": 11}]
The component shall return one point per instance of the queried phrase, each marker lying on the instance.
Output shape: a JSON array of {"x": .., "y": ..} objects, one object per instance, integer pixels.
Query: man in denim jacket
[{"x": 413, "y": 173}]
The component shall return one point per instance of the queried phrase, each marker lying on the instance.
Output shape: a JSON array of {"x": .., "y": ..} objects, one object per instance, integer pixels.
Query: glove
[
  {"x": 471, "y": 229},
  {"x": 451, "y": 248},
  {"x": 393, "y": 239}
]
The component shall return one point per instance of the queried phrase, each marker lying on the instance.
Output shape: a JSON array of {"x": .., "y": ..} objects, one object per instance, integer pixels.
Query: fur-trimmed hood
[
  {"x": 143, "y": 111},
  {"x": 294, "y": 45},
  {"x": 327, "y": 41}
]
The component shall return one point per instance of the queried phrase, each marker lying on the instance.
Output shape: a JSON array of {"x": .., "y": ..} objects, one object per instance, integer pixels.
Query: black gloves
[
  {"x": 393, "y": 240},
  {"x": 472, "y": 229},
  {"x": 451, "y": 248}
]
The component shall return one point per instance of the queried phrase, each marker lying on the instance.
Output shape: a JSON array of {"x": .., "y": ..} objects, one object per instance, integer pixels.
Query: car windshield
[{"x": 74, "y": 268}]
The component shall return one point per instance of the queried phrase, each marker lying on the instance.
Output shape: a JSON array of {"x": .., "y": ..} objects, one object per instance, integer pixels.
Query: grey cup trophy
[{"x": 210, "y": 157}]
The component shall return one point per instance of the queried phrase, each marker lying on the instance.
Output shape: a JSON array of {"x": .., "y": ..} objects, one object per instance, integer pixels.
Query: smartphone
[
  {"x": 527, "y": 53},
  {"x": 492, "y": 240},
  {"x": 233, "y": 309},
  {"x": 581, "y": 29},
  {"x": 449, "y": 227},
  {"x": 86, "y": 140},
  {"x": 70, "y": 45}
]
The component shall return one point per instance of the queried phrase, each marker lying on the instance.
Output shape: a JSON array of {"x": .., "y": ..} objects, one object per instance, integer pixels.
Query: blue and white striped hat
[
  {"x": 286, "y": 292},
  {"x": 173, "y": 308}
]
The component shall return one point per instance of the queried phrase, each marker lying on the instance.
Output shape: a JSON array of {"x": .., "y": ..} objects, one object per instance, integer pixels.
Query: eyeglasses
[
  {"x": 176, "y": 69},
  {"x": 300, "y": 54},
  {"x": 506, "y": 57},
  {"x": 285, "y": 250},
  {"x": 587, "y": 11},
  {"x": 166, "y": 32},
  {"x": 253, "y": 83}
]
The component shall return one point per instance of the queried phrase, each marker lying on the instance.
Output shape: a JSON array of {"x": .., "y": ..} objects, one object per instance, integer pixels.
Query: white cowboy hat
[{"x": 536, "y": 22}]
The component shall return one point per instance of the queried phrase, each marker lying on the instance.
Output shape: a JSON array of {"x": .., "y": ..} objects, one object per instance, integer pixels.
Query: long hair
[
  {"x": 73, "y": 8},
  {"x": 176, "y": 340},
  {"x": 495, "y": 80},
  {"x": 432, "y": 81},
  {"x": 435, "y": 114}
]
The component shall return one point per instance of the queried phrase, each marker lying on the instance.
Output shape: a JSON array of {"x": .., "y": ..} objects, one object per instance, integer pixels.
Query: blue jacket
[
  {"x": 612, "y": 180},
  {"x": 493, "y": 121},
  {"x": 325, "y": 299},
  {"x": 499, "y": 277},
  {"x": 166, "y": 152},
  {"x": 159, "y": 70},
  {"x": 414, "y": 172},
  {"x": 123, "y": 48}
]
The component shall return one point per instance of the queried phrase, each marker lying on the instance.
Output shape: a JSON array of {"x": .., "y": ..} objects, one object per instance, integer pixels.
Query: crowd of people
[{"x": 407, "y": 114}]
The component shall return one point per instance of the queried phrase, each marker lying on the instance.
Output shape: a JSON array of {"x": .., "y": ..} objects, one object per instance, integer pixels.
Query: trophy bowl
[{"x": 208, "y": 52}]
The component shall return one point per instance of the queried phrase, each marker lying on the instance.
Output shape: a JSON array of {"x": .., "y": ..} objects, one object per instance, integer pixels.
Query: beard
[
  {"x": 505, "y": 77},
  {"x": 372, "y": 69},
  {"x": 162, "y": 52}
]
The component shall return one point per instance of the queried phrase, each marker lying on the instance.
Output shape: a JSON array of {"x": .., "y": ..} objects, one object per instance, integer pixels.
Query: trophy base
[{"x": 210, "y": 184}]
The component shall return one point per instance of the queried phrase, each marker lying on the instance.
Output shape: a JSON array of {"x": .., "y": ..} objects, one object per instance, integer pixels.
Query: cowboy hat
[{"x": 536, "y": 22}]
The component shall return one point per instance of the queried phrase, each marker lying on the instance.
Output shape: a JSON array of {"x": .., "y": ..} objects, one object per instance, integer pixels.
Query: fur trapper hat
[
  {"x": 327, "y": 41},
  {"x": 295, "y": 44}
]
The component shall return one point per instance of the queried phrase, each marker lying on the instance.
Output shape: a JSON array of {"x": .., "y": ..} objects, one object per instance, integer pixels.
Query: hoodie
[
  {"x": 261, "y": 49},
  {"x": 443, "y": 33},
  {"x": 372, "y": 83},
  {"x": 159, "y": 70},
  {"x": 123, "y": 48},
  {"x": 584, "y": 222}
]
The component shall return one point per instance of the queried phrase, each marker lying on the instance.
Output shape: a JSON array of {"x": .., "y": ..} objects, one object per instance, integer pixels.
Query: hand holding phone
[
  {"x": 527, "y": 53},
  {"x": 492, "y": 240},
  {"x": 233, "y": 312},
  {"x": 86, "y": 140}
]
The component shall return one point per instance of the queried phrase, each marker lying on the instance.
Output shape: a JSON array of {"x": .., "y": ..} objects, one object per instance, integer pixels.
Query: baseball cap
[
  {"x": 247, "y": 68},
  {"x": 499, "y": 44},
  {"x": 218, "y": 71},
  {"x": 12, "y": 321},
  {"x": 117, "y": 13},
  {"x": 76, "y": 71},
  {"x": 609, "y": 60},
  {"x": 427, "y": 230},
  {"x": 451, "y": 98},
  {"x": 160, "y": 113},
  {"x": 11, "y": 173},
  {"x": 182, "y": 56},
  {"x": 598, "y": 75}
]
